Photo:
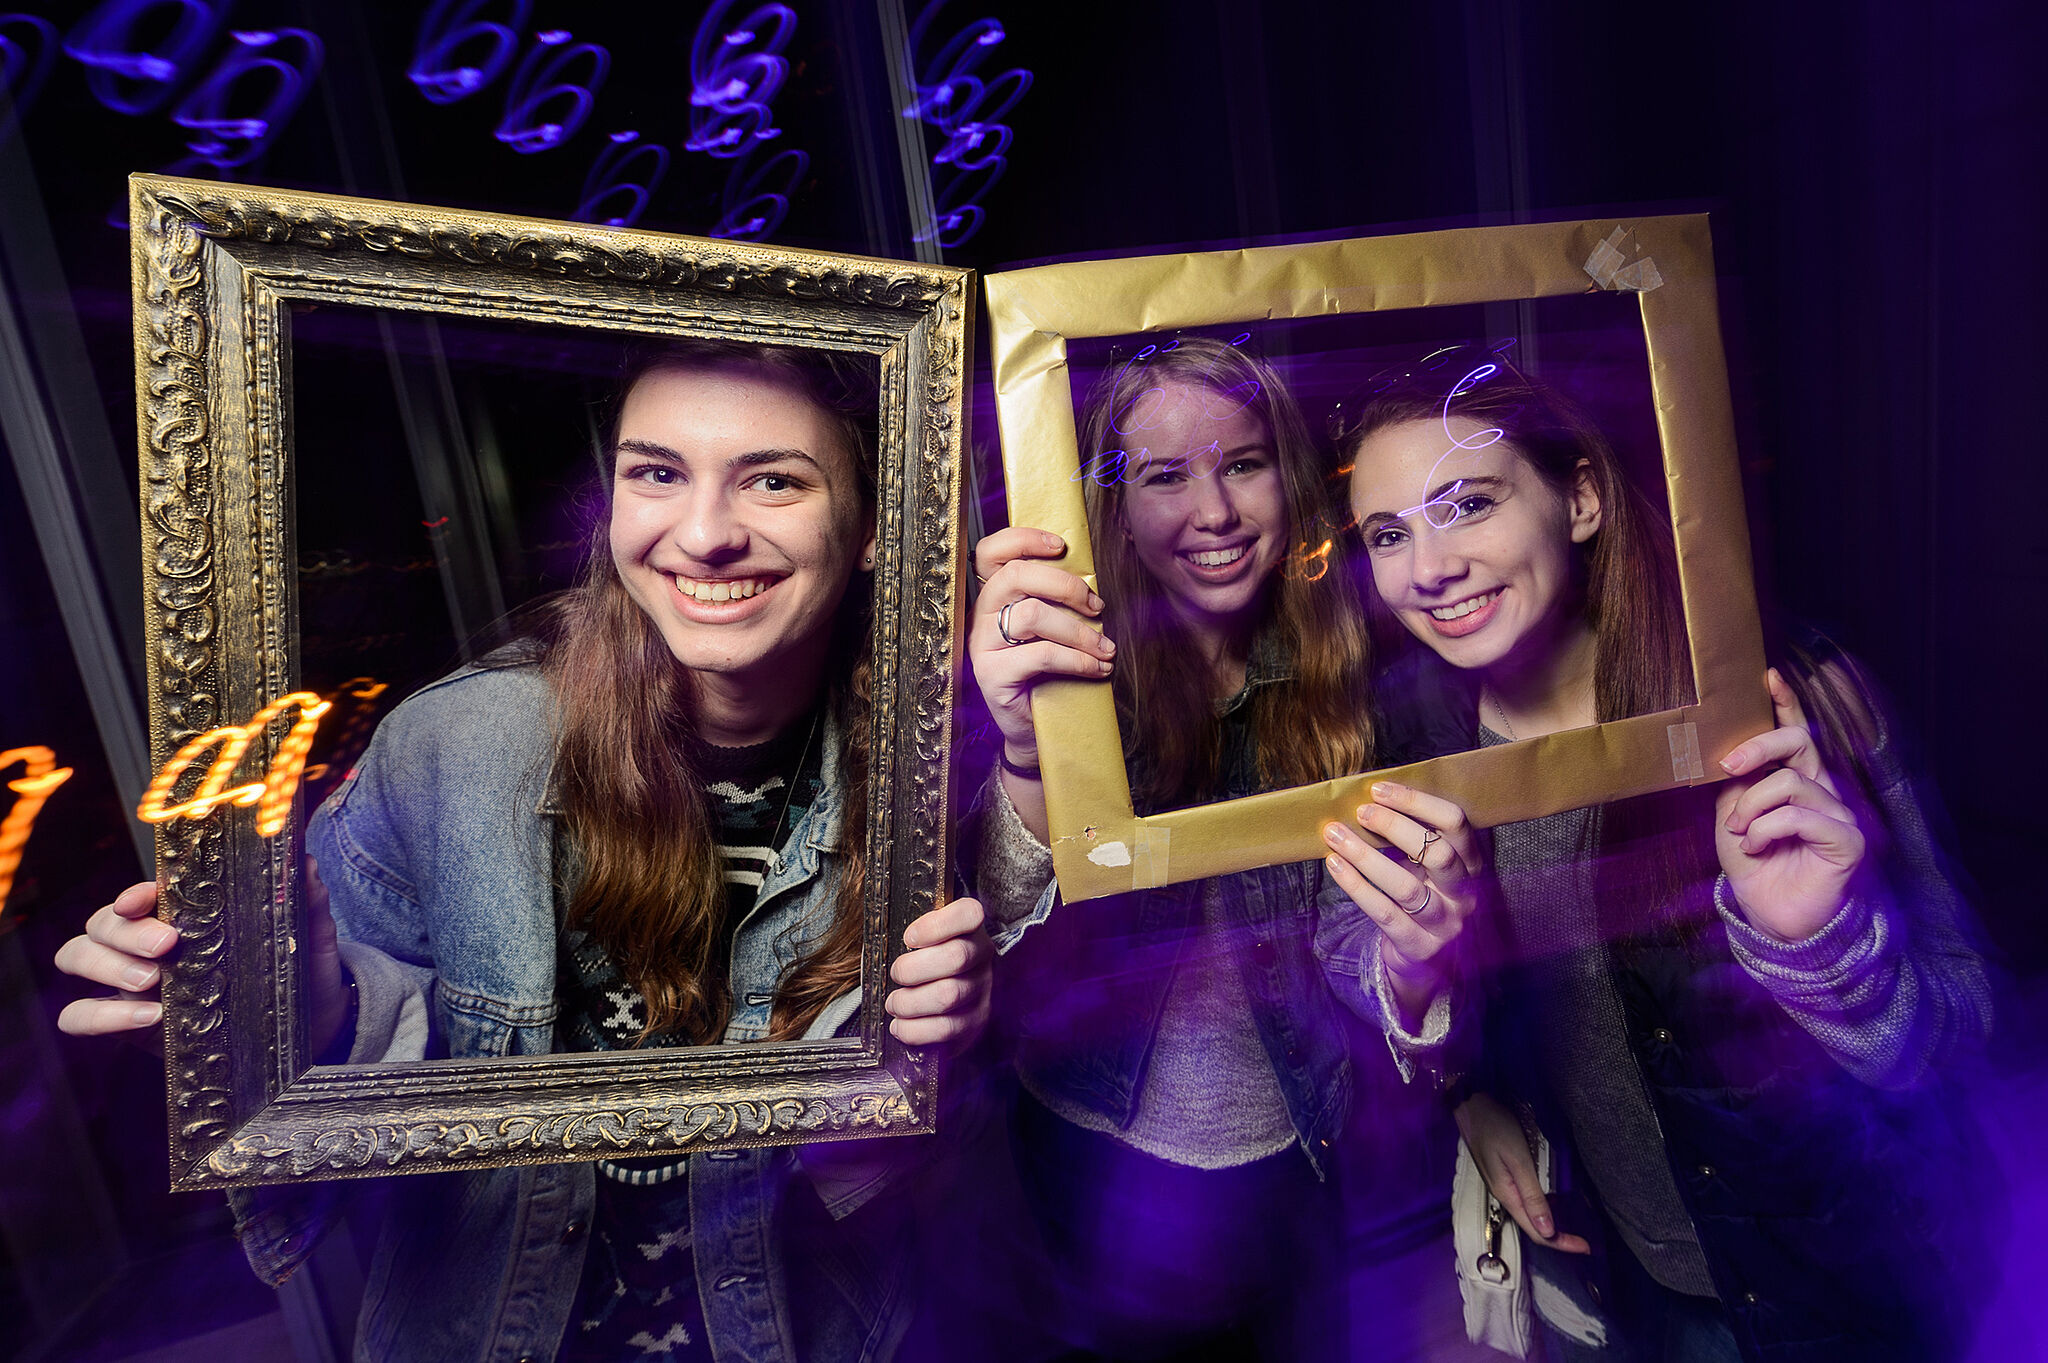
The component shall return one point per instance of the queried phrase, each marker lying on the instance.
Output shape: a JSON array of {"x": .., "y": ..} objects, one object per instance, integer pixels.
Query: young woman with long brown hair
[
  {"x": 1730, "y": 1006},
  {"x": 642, "y": 826},
  {"x": 1184, "y": 1068}
]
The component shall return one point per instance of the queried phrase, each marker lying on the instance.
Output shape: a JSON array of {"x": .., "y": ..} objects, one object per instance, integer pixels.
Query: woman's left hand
[
  {"x": 1419, "y": 903},
  {"x": 1787, "y": 842},
  {"x": 943, "y": 979}
]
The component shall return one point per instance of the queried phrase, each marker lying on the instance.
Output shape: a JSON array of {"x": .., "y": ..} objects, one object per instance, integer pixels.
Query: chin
[{"x": 1467, "y": 654}]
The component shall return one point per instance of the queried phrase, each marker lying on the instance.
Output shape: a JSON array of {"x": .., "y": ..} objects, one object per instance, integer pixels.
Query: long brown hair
[
  {"x": 1628, "y": 571},
  {"x": 1657, "y": 857},
  {"x": 643, "y": 871},
  {"x": 1626, "y": 577},
  {"x": 1316, "y": 726}
]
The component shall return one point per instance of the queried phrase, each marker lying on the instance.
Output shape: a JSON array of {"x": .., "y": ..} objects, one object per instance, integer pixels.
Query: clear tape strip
[
  {"x": 1610, "y": 267},
  {"x": 1685, "y": 752},
  {"x": 1150, "y": 857}
]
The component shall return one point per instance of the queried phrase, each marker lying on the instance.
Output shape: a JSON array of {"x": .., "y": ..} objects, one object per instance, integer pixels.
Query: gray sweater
[{"x": 1889, "y": 989}]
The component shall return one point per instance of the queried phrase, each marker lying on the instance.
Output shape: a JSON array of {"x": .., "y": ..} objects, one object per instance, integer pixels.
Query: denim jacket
[
  {"x": 1087, "y": 983},
  {"x": 438, "y": 856}
]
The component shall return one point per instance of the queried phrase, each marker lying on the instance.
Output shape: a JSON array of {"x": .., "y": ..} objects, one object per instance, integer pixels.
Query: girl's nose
[
  {"x": 707, "y": 527},
  {"x": 1215, "y": 509},
  {"x": 1436, "y": 561}
]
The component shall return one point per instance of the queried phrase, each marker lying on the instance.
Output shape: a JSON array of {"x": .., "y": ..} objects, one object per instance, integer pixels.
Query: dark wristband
[{"x": 1028, "y": 773}]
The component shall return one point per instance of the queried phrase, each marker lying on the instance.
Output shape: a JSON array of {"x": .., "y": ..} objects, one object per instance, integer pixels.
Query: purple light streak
[{"x": 960, "y": 104}]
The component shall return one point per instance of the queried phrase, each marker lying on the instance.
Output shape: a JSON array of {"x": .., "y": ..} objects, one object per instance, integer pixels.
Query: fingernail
[
  {"x": 1332, "y": 834},
  {"x": 1053, "y": 541},
  {"x": 1102, "y": 666},
  {"x": 1094, "y": 602},
  {"x": 1108, "y": 645},
  {"x": 138, "y": 976},
  {"x": 1331, "y": 862},
  {"x": 1545, "y": 1227},
  {"x": 146, "y": 1014},
  {"x": 1382, "y": 790},
  {"x": 161, "y": 939}
]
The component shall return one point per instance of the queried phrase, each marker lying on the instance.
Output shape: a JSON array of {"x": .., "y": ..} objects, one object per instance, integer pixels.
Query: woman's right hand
[
  {"x": 1051, "y": 613},
  {"x": 1501, "y": 1150},
  {"x": 122, "y": 947}
]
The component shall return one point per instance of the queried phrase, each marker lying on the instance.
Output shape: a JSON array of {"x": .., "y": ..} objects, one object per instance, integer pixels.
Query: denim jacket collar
[
  {"x": 821, "y": 823},
  {"x": 1268, "y": 663}
]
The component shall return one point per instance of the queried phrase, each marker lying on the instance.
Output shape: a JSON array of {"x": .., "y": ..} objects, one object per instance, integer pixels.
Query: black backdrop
[{"x": 1874, "y": 171}]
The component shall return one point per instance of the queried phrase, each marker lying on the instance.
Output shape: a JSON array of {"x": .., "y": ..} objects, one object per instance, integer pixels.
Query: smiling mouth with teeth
[
  {"x": 1217, "y": 558},
  {"x": 1465, "y": 608},
  {"x": 736, "y": 589}
]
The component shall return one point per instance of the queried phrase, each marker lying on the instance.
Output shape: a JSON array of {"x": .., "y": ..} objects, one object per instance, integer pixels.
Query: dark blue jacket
[{"x": 1842, "y": 1204}]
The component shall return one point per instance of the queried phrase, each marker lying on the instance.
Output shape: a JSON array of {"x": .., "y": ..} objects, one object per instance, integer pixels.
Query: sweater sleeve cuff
[
  {"x": 1013, "y": 872},
  {"x": 1848, "y": 941},
  {"x": 392, "y": 1006},
  {"x": 1410, "y": 1049}
]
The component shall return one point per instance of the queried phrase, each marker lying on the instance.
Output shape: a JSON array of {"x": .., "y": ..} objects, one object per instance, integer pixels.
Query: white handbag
[
  {"x": 1491, "y": 1279},
  {"x": 1502, "y": 1300}
]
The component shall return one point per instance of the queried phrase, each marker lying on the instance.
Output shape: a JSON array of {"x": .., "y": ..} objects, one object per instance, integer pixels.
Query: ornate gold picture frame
[
  {"x": 1100, "y": 845},
  {"x": 218, "y": 272}
]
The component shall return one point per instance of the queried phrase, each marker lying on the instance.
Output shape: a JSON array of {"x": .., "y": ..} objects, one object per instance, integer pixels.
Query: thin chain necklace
[
  {"x": 775, "y": 834},
  {"x": 1507, "y": 729}
]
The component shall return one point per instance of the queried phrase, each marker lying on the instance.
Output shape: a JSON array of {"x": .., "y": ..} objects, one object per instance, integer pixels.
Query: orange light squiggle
[
  {"x": 272, "y": 796},
  {"x": 43, "y": 777},
  {"x": 1309, "y": 565}
]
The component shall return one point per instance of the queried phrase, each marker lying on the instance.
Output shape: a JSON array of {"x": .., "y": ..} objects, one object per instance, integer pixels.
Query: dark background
[{"x": 1874, "y": 172}]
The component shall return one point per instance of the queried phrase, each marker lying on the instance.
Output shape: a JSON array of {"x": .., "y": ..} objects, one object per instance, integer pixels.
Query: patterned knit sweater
[{"x": 638, "y": 1295}]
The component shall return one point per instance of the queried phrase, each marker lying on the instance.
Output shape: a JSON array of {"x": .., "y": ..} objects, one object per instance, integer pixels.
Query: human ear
[
  {"x": 868, "y": 546},
  {"x": 1583, "y": 505}
]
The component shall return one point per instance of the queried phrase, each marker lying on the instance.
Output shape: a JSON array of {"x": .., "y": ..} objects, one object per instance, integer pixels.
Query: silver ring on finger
[
  {"x": 1003, "y": 625},
  {"x": 1427, "y": 894}
]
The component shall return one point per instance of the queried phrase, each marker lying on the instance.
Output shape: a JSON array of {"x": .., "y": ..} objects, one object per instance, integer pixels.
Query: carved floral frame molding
[{"x": 216, "y": 270}]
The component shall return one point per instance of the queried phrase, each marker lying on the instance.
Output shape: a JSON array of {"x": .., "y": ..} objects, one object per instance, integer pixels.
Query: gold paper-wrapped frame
[
  {"x": 217, "y": 268},
  {"x": 1100, "y": 845}
]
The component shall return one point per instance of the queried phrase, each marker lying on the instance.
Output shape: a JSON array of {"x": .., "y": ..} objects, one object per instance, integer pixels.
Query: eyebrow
[
  {"x": 1249, "y": 447},
  {"x": 1482, "y": 483},
  {"x": 649, "y": 449}
]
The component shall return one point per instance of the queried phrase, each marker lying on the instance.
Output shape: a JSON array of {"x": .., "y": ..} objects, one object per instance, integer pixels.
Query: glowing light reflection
[
  {"x": 1442, "y": 510},
  {"x": 967, "y": 109},
  {"x": 543, "y": 111},
  {"x": 736, "y": 70},
  {"x": 28, "y": 47},
  {"x": 141, "y": 81},
  {"x": 272, "y": 796},
  {"x": 255, "y": 63},
  {"x": 44, "y": 776},
  {"x": 610, "y": 194},
  {"x": 457, "y": 54},
  {"x": 1219, "y": 403}
]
